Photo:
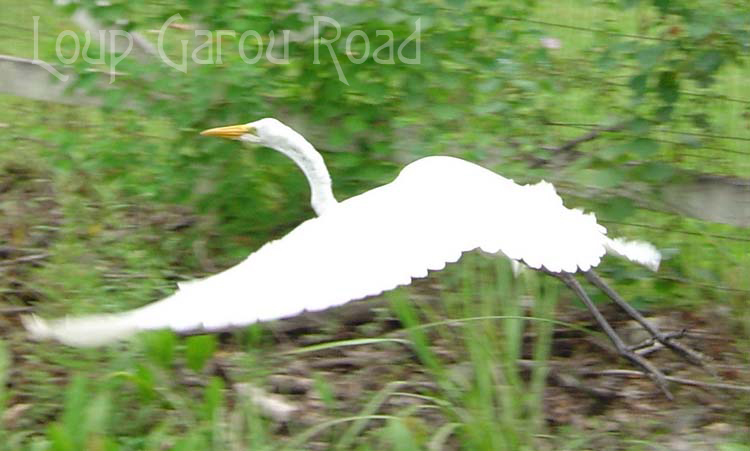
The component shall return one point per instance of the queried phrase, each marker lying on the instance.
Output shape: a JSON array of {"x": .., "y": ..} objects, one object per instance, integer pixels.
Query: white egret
[{"x": 437, "y": 208}]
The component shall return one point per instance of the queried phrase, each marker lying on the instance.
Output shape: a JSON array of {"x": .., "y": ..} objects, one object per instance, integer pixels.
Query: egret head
[
  {"x": 268, "y": 132},
  {"x": 272, "y": 133}
]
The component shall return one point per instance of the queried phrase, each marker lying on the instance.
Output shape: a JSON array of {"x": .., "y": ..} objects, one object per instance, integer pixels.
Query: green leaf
[
  {"x": 400, "y": 436},
  {"x": 662, "y": 6},
  {"x": 98, "y": 413},
  {"x": 651, "y": 55},
  {"x": 324, "y": 389},
  {"x": 700, "y": 120},
  {"x": 656, "y": 172},
  {"x": 644, "y": 147},
  {"x": 606, "y": 178},
  {"x": 60, "y": 439},
  {"x": 490, "y": 85},
  {"x": 145, "y": 381},
  {"x": 613, "y": 152},
  {"x": 627, "y": 4},
  {"x": 200, "y": 349},
  {"x": 638, "y": 84},
  {"x": 213, "y": 398},
  {"x": 699, "y": 29},
  {"x": 73, "y": 425},
  {"x": 664, "y": 113},
  {"x": 668, "y": 86},
  {"x": 447, "y": 112},
  {"x": 639, "y": 126},
  {"x": 708, "y": 61},
  {"x": 160, "y": 347},
  {"x": 617, "y": 209}
]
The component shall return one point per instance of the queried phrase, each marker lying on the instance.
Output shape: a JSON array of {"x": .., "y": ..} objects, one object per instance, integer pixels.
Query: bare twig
[
  {"x": 678, "y": 380},
  {"x": 43, "y": 142},
  {"x": 24, "y": 259},
  {"x": 9, "y": 311},
  {"x": 566, "y": 152},
  {"x": 590, "y": 136},
  {"x": 572, "y": 382},
  {"x": 272, "y": 406}
]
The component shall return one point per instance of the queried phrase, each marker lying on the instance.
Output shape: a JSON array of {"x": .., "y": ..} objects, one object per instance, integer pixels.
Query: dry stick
[
  {"x": 24, "y": 259},
  {"x": 678, "y": 380},
  {"x": 590, "y": 136},
  {"x": 270, "y": 405},
  {"x": 571, "y": 382},
  {"x": 656, "y": 375},
  {"x": 567, "y": 150},
  {"x": 651, "y": 341},
  {"x": 15, "y": 311},
  {"x": 677, "y": 347}
]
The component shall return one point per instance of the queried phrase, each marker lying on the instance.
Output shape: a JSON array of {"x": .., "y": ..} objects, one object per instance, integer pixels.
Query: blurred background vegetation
[{"x": 637, "y": 110}]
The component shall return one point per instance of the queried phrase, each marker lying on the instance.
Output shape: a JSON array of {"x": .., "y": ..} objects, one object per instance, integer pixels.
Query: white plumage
[{"x": 436, "y": 209}]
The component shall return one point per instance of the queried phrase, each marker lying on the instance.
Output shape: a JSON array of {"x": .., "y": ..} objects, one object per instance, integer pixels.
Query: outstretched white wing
[{"x": 438, "y": 208}]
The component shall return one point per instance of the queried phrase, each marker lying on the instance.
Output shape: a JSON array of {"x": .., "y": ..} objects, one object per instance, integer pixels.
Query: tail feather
[
  {"x": 636, "y": 251},
  {"x": 86, "y": 331}
]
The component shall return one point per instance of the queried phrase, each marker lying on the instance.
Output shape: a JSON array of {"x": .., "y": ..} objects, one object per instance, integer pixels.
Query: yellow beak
[{"x": 229, "y": 132}]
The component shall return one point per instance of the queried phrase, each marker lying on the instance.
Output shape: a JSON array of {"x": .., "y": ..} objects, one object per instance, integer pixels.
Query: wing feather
[{"x": 438, "y": 208}]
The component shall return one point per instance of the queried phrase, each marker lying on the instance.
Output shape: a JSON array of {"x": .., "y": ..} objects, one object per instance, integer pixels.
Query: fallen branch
[
  {"x": 677, "y": 380},
  {"x": 24, "y": 259},
  {"x": 590, "y": 136},
  {"x": 10, "y": 311},
  {"x": 271, "y": 406},
  {"x": 570, "y": 381}
]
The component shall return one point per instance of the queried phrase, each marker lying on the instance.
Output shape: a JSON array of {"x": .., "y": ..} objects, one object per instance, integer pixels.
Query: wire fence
[{"x": 660, "y": 130}]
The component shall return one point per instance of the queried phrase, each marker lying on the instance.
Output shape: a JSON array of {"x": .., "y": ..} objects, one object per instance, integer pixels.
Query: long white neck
[{"x": 311, "y": 162}]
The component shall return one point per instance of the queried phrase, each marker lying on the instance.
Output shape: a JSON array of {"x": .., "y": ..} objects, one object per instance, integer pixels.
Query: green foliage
[
  {"x": 84, "y": 423},
  {"x": 199, "y": 350},
  {"x": 733, "y": 447},
  {"x": 160, "y": 347}
]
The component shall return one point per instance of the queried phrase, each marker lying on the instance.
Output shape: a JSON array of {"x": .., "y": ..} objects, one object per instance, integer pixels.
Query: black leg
[
  {"x": 653, "y": 372},
  {"x": 665, "y": 339},
  {"x": 651, "y": 340}
]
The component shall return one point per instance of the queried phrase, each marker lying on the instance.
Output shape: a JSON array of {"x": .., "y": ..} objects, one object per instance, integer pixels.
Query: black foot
[
  {"x": 651, "y": 340},
  {"x": 654, "y": 373},
  {"x": 668, "y": 340}
]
